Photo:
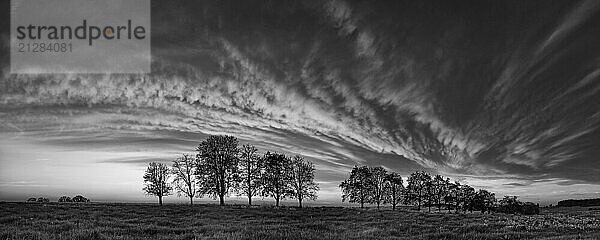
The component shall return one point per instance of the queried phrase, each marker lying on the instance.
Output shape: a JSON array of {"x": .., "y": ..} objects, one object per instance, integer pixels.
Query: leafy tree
[
  {"x": 303, "y": 183},
  {"x": 357, "y": 188},
  {"x": 155, "y": 181},
  {"x": 393, "y": 189},
  {"x": 510, "y": 204},
  {"x": 454, "y": 195},
  {"x": 217, "y": 164},
  {"x": 249, "y": 178},
  {"x": 378, "y": 175},
  {"x": 64, "y": 199},
  {"x": 183, "y": 170},
  {"x": 483, "y": 201},
  {"x": 275, "y": 179},
  {"x": 440, "y": 190},
  {"x": 466, "y": 197},
  {"x": 417, "y": 188}
]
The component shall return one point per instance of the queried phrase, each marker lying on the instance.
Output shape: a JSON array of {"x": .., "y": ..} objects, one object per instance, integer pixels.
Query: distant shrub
[
  {"x": 42, "y": 200},
  {"x": 64, "y": 199},
  {"x": 511, "y": 205},
  {"x": 579, "y": 203},
  {"x": 80, "y": 198},
  {"x": 32, "y": 199}
]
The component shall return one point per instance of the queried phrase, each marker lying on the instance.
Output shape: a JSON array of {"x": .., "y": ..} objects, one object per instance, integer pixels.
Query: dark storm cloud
[{"x": 479, "y": 88}]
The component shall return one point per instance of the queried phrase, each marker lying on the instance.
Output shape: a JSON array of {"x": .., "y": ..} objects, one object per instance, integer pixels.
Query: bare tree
[
  {"x": 302, "y": 175},
  {"x": 155, "y": 181},
  {"x": 393, "y": 189},
  {"x": 275, "y": 179},
  {"x": 378, "y": 175},
  {"x": 249, "y": 172},
  {"x": 217, "y": 163},
  {"x": 183, "y": 170},
  {"x": 357, "y": 188}
]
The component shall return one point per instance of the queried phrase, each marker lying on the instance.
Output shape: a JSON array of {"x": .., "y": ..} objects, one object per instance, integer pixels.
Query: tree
[
  {"x": 64, "y": 199},
  {"x": 183, "y": 170},
  {"x": 417, "y": 188},
  {"x": 378, "y": 175},
  {"x": 454, "y": 195},
  {"x": 440, "y": 190},
  {"x": 275, "y": 179},
  {"x": 155, "y": 181},
  {"x": 393, "y": 189},
  {"x": 483, "y": 201},
  {"x": 249, "y": 172},
  {"x": 217, "y": 165},
  {"x": 303, "y": 183},
  {"x": 357, "y": 188},
  {"x": 510, "y": 204},
  {"x": 466, "y": 197}
]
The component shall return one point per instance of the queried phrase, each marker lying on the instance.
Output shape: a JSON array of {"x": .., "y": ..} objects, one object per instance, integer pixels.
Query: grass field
[{"x": 145, "y": 221}]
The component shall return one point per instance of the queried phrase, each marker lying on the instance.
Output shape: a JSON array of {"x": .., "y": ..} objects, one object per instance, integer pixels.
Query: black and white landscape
[{"x": 387, "y": 119}]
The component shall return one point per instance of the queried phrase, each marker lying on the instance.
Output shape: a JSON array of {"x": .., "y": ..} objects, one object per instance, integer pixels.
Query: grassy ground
[{"x": 129, "y": 221}]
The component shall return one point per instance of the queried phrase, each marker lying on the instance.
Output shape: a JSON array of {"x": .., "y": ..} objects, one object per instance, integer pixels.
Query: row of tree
[
  {"x": 375, "y": 185},
  {"x": 221, "y": 167},
  {"x": 63, "y": 199}
]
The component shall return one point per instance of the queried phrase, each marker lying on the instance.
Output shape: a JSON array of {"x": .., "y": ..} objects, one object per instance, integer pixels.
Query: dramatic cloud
[{"x": 502, "y": 95}]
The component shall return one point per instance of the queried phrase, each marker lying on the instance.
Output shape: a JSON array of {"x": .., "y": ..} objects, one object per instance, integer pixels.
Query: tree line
[
  {"x": 220, "y": 168},
  {"x": 375, "y": 185},
  {"x": 63, "y": 199}
]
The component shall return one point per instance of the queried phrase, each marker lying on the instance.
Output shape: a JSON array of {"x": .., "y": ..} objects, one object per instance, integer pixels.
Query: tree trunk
[
  {"x": 377, "y": 205},
  {"x": 221, "y": 200},
  {"x": 249, "y": 200},
  {"x": 429, "y": 205},
  {"x": 190, "y": 191},
  {"x": 300, "y": 202},
  {"x": 222, "y": 189},
  {"x": 160, "y": 200},
  {"x": 276, "y": 201},
  {"x": 394, "y": 198}
]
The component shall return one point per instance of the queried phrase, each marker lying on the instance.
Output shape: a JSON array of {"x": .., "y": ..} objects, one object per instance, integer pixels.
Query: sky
[{"x": 501, "y": 95}]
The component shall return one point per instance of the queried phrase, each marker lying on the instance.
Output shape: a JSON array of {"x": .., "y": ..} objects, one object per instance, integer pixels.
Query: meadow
[{"x": 148, "y": 221}]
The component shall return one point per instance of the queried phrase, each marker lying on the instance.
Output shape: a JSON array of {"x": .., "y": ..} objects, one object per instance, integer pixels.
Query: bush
[
  {"x": 64, "y": 199},
  {"x": 80, "y": 198},
  {"x": 32, "y": 199},
  {"x": 42, "y": 200}
]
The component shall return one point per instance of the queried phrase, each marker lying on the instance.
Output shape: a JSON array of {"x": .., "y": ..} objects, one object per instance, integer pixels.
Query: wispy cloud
[{"x": 407, "y": 86}]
